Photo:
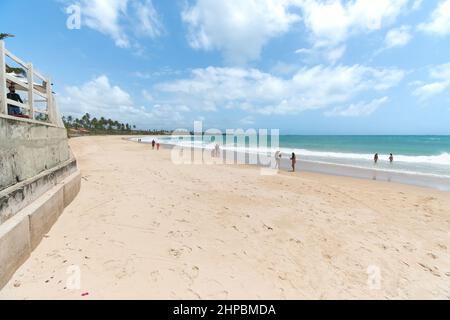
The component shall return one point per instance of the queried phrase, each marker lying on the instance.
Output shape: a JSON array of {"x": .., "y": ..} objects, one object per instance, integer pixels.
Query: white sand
[{"x": 143, "y": 227}]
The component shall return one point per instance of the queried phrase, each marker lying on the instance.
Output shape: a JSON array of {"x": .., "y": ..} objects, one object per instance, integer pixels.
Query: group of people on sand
[
  {"x": 154, "y": 144},
  {"x": 376, "y": 157},
  {"x": 157, "y": 144},
  {"x": 278, "y": 157}
]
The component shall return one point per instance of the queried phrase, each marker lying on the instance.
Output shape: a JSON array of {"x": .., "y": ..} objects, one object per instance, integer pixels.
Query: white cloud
[
  {"x": 441, "y": 76},
  {"x": 358, "y": 109},
  {"x": 238, "y": 28},
  {"x": 148, "y": 19},
  {"x": 95, "y": 96},
  {"x": 258, "y": 92},
  {"x": 303, "y": 51},
  {"x": 101, "y": 99},
  {"x": 147, "y": 95},
  {"x": 431, "y": 89},
  {"x": 398, "y": 37},
  {"x": 114, "y": 18},
  {"x": 417, "y": 4},
  {"x": 440, "y": 20},
  {"x": 283, "y": 68},
  {"x": 332, "y": 22},
  {"x": 247, "y": 121},
  {"x": 104, "y": 16},
  {"x": 335, "y": 54}
]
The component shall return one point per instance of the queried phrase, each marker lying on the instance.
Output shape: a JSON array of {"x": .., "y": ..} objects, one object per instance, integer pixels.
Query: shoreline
[
  {"x": 419, "y": 179},
  {"x": 144, "y": 228}
]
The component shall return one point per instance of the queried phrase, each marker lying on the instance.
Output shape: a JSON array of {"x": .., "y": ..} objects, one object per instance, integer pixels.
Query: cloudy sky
[{"x": 303, "y": 66}]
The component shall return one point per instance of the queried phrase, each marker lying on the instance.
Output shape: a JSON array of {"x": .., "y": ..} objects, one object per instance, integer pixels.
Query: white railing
[{"x": 42, "y": 91}]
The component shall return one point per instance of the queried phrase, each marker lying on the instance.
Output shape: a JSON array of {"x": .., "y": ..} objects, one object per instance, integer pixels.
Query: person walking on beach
[
  {"x": 391, "y": 158},
  {"x": 293, "y": 161},
  {"x": 153, "y": 144},
  {"x": 157, "y": 146},
  {"x": 277, "y": 159},
  {"x": 375, "y": 158}
]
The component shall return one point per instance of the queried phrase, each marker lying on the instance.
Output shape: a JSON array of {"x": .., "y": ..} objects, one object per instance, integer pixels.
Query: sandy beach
[{"x": 144, "y": 228}]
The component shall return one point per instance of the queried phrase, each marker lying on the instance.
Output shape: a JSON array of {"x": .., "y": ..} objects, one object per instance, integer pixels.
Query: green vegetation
[
  {"x": 18, "y": 71},
  {"x": 93, "y": 126},
  {"x": 3, "y": 36}
]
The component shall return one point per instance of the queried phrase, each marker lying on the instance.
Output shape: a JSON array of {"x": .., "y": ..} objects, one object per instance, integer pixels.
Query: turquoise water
[
  {"x": 414, "y": 156},
  {"x": 401, "y": 145}
]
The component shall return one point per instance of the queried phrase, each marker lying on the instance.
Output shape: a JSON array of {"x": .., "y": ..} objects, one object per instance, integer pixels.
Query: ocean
[{"x": 419, "y": 160}]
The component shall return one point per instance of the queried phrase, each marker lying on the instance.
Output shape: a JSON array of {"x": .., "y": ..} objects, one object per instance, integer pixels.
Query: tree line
[{"x": 93, "y": 125}]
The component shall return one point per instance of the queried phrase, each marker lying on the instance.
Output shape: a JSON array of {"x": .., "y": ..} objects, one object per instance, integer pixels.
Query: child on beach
[
  {"x": 391, "y": 158},
  {"x": 157, "y": 146},
  {"x": 293, "y": 161}
]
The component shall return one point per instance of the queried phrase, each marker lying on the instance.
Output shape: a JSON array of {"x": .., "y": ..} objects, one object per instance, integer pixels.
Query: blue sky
[{"x": 303, "y": 66}]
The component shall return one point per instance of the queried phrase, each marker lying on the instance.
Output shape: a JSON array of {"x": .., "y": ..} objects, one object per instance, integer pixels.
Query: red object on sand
[{"x": 85, "y": 294}]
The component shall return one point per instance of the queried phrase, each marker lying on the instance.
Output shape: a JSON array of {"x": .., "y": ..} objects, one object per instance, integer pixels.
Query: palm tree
[
  {"x": 102, "y": 123},
  {"x": 86, "y": 120},
  {"x": 110, "y": 124},
  {"x": 19, "y": 71},
  {"x": 94, "y": 123},
  {"x": 78, "y": 123},
  {"x": 3, "y": 36}
]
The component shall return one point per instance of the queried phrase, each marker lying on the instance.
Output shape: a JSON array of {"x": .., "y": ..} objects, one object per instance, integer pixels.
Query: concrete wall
[
  {"x": 38, "y": 179},
  {"x": 20, "y": 195},
  {"x": 27, "y": 149},
  {"x": 22, "y": 233}
]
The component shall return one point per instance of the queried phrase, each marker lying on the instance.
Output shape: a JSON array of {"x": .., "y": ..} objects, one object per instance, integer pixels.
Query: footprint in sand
[
  {"x": 154, "y": 276},
  {"x": 191, "y": 273},
  {"x": 180, "y": 234},
  {"x": 120, "y": 269},
  {"x": 175, "y": 253},
  {"x": 434, "y": 270},
  {"x": 432, "y": 255}
]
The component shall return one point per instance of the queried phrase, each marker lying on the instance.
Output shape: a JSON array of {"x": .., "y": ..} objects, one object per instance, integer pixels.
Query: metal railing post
[
  {"x": 30, "y": 89},
  {"x": 3, "y": 103}
]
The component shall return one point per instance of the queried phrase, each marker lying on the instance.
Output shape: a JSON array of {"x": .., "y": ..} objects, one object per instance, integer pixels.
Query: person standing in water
[
  {"x": 391, "y": 158},
  {"x": 375, "y": 158},
  {"x": 293, "y": 161}
]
